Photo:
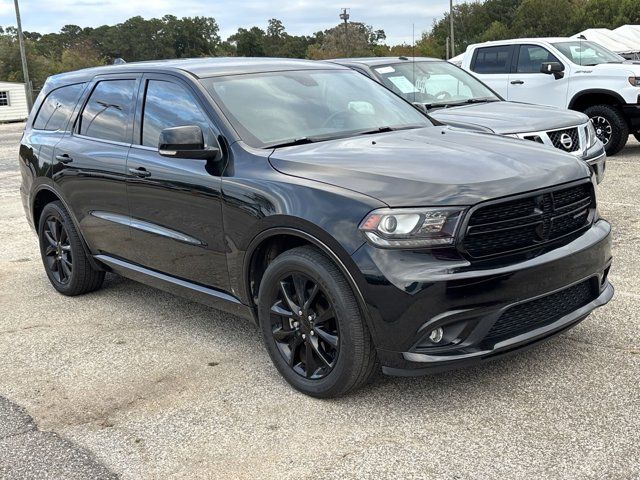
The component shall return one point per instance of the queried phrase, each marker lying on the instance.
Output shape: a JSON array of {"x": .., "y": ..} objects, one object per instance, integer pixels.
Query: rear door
[
  {"x": 47, "y": 128},
  {"x": 492, "y": 65},
  {"x": 91, "y": 163},
  {"x": 52, "y": 119},
  {"x": 528, "y": 85},
  {"x": 175, "y": 204}
]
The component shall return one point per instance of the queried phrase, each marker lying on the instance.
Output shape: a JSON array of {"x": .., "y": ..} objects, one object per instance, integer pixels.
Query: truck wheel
[
  {"x": 611, "y": 127},
  {"x": 637, "y": 135},
  {"x": 312, "y": 326}
]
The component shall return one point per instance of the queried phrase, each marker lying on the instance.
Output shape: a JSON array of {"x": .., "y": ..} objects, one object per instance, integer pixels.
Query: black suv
[{"x": 316, "y": 202}]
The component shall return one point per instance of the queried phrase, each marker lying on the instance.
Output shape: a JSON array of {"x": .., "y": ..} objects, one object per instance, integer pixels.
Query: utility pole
[
  {"x": 453, "y": 48},
  {"x": 23, "y": 56},
  {"x": 344, "y": 16}
]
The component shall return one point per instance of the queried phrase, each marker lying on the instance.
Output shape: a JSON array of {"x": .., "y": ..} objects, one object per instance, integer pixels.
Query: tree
[
  {"x": 629, "y": 12},
  {"x": 496, "y": 31},
  {"x": 249, "y": 43},
  {"x": 536, "y": 16},
  {"x": 357, "y": 40}
]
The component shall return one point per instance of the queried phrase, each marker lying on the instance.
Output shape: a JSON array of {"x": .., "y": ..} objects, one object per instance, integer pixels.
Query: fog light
[{"x": 436, "y": 335}]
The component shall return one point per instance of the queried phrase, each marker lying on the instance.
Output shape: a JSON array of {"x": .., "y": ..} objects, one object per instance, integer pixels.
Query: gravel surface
[{"x": 133, "y": 381}]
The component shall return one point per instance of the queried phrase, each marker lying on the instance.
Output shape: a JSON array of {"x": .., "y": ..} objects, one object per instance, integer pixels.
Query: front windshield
[
  {"x": 433, "y": 83},
  {"x": 277, "y": 108},
  {"x": 586, "y": 53}
]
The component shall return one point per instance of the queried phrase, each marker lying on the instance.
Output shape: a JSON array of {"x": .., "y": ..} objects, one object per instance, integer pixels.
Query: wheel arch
[
  {"x": 41, "y": 197},
  {"x": 272, "y": 242},
  {"x": 595, "y": 96}
]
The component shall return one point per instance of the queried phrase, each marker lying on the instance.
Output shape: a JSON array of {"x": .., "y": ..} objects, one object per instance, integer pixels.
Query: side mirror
[
  {"x": 186, "y": 142},
  {"x": 553, "y": 68}
]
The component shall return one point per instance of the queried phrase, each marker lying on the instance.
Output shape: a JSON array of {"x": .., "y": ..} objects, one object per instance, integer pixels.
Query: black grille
[
  {"x": 540, "y": 312},
  {"x": 567, "y": 140},
  {"x": 526, "y": 223}
]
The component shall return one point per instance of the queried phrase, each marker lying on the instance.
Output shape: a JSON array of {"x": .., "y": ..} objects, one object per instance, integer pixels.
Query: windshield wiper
[
  {"x": 481, "y": 100},
  {"x": 292, "y": 143},
  {"x": 387, "y": 129},
  {"x": 428, "y": 106},
  {"x": 324, "y": 138}
]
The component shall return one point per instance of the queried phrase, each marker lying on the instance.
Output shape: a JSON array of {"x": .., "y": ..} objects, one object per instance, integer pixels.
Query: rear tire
[
  {"x": 611, "y": 127},
  {"x": 312, "y": 325},
  {"x": 63, "y": 254}
]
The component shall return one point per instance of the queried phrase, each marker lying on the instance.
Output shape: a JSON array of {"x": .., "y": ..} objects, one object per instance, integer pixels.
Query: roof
[
  {"x": 198, "y": 67},
  {"x": 630, "y": 32},
  {"x": 375, "y": 61},
  {"x": 3, "y": 82},
  {"x": 523, "y": 40},
  {"x": 610, "y": 39}
]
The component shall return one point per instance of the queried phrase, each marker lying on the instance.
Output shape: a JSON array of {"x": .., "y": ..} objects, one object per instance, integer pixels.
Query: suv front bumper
[{"x": 410, "y": 294}]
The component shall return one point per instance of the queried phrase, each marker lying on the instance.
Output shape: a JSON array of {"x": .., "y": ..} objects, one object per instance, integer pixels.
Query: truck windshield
[
  {"x": 586, "y": 53},
  {"x": 303, "y": 106},
  {"x": 433, "y": 83}
]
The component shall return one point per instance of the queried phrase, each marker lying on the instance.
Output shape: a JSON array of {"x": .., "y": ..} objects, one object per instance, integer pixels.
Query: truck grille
[
  {"x": 530, "y": 222},
  {"x": 540, "y": 312},
  {"x": 567, "y": 140}
]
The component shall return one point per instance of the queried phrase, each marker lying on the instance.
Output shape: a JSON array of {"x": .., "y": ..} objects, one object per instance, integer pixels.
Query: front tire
[
  {"x": 611, "y": 127},
  {"x": 63, "y": 254},
  {"x": 312, "y": 326}
]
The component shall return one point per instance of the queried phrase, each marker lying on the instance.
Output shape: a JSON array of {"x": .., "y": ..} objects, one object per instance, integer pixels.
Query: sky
[{"x": 396, "y": 17}]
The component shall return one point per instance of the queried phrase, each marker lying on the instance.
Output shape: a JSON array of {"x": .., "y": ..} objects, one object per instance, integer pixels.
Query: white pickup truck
[{"x": 567, "y": 73}]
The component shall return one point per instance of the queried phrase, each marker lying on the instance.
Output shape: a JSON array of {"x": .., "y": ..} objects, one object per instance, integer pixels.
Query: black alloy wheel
[
  {"x": 65, "y": 259},
  {"x": 304, "y": 327},
  {"x": 312, "y": 325},
  {"x": 57, "y": 254}
]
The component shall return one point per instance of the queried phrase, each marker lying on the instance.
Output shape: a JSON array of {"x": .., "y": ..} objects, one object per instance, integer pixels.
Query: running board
[{"x": 192, "y": 291}]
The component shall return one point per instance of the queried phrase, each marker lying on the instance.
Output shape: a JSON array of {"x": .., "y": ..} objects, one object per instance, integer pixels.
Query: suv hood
[
  {"x": 430, "y": 166},
  {"x": 509, "y": 117}
]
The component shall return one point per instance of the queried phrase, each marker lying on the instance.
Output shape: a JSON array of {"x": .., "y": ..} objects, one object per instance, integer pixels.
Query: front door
[
  {"x": 527, "y": 84},
  {"x": 175, "y": 204}
]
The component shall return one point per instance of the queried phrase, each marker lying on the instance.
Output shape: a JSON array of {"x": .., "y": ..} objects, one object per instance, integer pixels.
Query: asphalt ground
[{"x": 134, "y": 382}]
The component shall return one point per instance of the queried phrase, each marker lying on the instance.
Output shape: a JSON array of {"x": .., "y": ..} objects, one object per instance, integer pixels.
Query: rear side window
[
  {"x": 169, "y": 105},
  {"x": 107, "y": 114},
  {"x": 57, "y": 108},
  {"x": 493, "y": 59},
  {"x": 532, "y": 57}
]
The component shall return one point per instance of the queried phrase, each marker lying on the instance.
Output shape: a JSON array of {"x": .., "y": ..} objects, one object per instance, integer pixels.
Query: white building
[{"x": 13, "y": 102}]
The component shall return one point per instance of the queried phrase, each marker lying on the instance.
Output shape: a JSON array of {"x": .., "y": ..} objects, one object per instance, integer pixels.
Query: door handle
[
  {"x": 517, "y": 82},
  {"x": 140, "y": 172},
  {"x": 64, "y": 158}
]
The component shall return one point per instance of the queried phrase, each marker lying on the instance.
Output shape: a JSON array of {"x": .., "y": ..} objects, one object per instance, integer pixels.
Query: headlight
[
  {"x": 635, "y": 81},
  {"x": 591, "y": 134},
  {"x": 412, "y": 227}
]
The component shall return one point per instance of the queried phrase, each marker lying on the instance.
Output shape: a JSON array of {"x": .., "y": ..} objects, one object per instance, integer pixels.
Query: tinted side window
[
  {"x": 532, "y": 57},
  {"x": 57, "y": 108},
  {"x": 169, "y": 105},
  {"x": 493, "y": 60},
  {"x": 108, "y": 111}
]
